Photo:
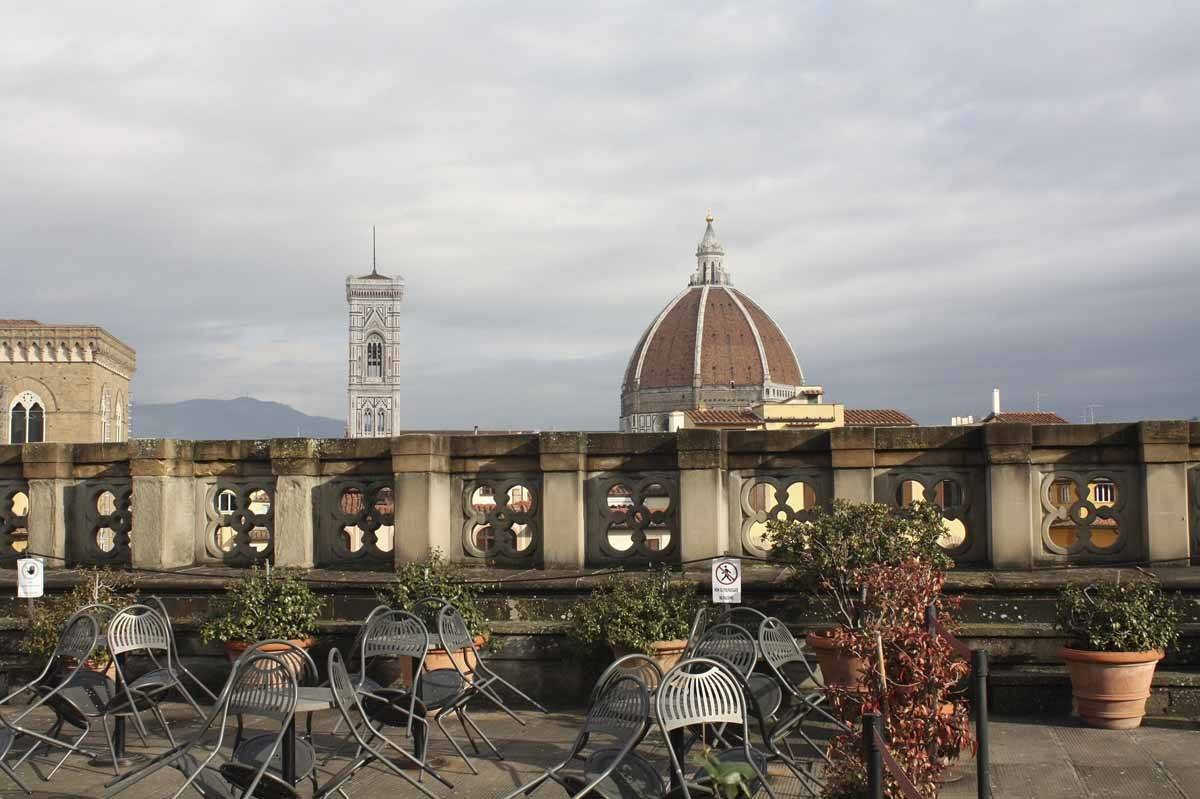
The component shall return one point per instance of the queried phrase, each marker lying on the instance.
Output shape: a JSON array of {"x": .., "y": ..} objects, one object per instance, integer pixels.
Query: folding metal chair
[
  {"x": 620, "y": 716},
  {"x": 140, "y": 628},
  {"x": 732, "y": 644},
  {"x": 477, "y": 681},
  {"x": 780, "y": 651},
  {"x": 348, "y": 701},
  {"x": 644, "y": 667},
  {"x": 251, "y": 751},
  {"x": 704, "y": 692},
  {"x": 76, "y": 644},
  {"x": 172, "y": 671},
  {"x": 259, "y": 684}
]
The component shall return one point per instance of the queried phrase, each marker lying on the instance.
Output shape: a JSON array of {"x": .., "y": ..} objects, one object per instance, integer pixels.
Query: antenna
[
  {"x": 1091, "y": 412},
  {"x": 373, "y": 266},
  {"x": 1037, "y": 400}
]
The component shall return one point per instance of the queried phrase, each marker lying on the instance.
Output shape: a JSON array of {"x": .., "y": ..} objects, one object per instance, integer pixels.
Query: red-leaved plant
[{"x": 925, "y": 718}]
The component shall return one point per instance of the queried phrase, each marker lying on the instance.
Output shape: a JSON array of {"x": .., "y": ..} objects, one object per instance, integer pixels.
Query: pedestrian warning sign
[{"x": 727, "y": 580}]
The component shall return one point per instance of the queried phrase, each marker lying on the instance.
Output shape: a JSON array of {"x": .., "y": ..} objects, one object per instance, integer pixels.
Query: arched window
[
  {"x": 368, "y": 422},
  {"x": 119, "y": 415},
  {"x": 105, "y": 416},
  {"x": 374, "y": 357},
  {"x": 27, "y": 419},
  {"x": 382, "y": 427}
]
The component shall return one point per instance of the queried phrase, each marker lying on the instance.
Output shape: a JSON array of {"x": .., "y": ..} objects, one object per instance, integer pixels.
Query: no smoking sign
[{"x": 727, "y": 580}]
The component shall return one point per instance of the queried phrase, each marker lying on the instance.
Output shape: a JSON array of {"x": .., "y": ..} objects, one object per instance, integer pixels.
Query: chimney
[{"x": 996, "y": 400}]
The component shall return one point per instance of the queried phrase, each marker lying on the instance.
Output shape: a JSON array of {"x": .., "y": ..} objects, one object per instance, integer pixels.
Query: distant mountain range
[{"x": 244, "y": 417}]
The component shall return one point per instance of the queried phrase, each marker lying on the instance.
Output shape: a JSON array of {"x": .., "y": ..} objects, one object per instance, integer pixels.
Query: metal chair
[
  {"x": 348, "y": 700},
  {"x": 140, "y": 628},
  {"x": 259, "y": 684},
  {"x": 76, "y": 643},
  {"x": 256, "y": 749},
  {"x": 90, "y": 694},
  {"x": 703, "y": 692},
  {"x": 732, "y": 644},
  {"x": 781, "y": 650},
  {"x": 699, "y": 625},
  {"x": 477, "y": 681},
  {"x": 748, "y": 618},
  {"x": 620, "y": 713},
  {"x": 644, "y": 667},
  {"x": 173, "y": 670}
]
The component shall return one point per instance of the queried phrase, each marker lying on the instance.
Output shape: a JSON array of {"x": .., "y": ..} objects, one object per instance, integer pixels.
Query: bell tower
[{"x": 373, "y": 388}]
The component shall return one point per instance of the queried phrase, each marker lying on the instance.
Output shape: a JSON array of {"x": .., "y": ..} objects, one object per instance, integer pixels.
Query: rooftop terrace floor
[{"x": 1030, "y": 758}]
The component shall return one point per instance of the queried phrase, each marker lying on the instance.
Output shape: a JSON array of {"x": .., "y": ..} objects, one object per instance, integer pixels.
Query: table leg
[{"x": 289, "y": 752}]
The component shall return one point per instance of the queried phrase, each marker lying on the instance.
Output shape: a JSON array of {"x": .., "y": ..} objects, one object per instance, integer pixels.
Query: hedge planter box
[{"x": 1111, "y": 688}]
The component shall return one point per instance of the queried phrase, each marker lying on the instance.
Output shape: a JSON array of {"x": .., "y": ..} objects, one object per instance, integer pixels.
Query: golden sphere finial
[{"x": 709, "y": 217}]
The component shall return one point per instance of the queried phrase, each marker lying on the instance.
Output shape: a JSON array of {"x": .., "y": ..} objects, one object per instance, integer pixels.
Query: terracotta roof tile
[
  {"x": 880, "y": 417},
  {"x": 722, "y": 416},
  {"x": 1026, "y": 417}
]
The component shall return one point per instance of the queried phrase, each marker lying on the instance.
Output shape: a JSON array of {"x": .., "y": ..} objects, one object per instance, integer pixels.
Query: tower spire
[{"x": 374, "y": 268}]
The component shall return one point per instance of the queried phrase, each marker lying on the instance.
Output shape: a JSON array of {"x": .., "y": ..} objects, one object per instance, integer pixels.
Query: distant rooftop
[
  {"x": 1025, "y": 417},
  {"x": 20, "y": 323},
  {"x": 878, "y": 417}
]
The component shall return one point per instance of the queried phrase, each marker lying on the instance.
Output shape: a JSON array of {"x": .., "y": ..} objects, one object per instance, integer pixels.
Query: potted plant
[
  {"x": 262, "y": 605},
  {"x": 650, "y": 613},
  {"x": 1116, "y": 634},
  {"x": 831, "y": 551},
  {"x": 438, "y": 577},
  {"x": 911, "y": 677},
  {"x": 96, "y": 586}
]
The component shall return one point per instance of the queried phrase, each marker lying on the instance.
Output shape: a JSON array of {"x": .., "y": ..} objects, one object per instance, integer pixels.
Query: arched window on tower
[
  {"x": 119, "y": 415},
  {"x": 27, "y": 419},
  {"x": 368, "y": 422},
  {"x": 382, "y": 426},
  {"x": 105, "y": 416},
  {"x": 374, "y": 357}
]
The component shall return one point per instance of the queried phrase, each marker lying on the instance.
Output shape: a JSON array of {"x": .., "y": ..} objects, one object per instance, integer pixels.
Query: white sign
[
  {"x": 727, "y": 580},
  {"x": 30, "y": 578}
]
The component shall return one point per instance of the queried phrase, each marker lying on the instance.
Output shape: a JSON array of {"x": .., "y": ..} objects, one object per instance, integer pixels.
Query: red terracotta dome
[{"x": 711, "y": 346}]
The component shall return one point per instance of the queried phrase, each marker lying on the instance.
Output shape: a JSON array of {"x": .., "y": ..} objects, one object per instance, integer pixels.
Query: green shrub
[
  {"x": 1120, "y": 616},
  {"x": 257, "y": 607},
  {"x": 51, "y": 612},
  {"x": 634, "y": 611},
  {"x": 829, "y": 552},
  {"x": 436, "y": 577}
]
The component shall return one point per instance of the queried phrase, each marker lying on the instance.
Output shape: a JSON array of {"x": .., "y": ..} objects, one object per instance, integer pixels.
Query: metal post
[
  {"x": 870, "y": 722},
  {"x": 979, "y": 670}
]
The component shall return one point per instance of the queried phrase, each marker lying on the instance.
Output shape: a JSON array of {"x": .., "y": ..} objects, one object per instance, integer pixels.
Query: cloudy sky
[{"x": 929, "y": 197}]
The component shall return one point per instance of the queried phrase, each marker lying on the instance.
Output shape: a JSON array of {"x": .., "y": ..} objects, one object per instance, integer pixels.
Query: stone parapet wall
[{"x": 1014, "y": 496}]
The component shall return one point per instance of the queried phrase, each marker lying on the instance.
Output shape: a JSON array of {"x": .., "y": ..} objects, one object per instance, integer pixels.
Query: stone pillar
[
  {"x": 1013, "y": 508},
  {"x": 49, "y": 470},
  {"x": 296, "y": 467},
  {"x": 703, "y": 496},
  {"x": 563, "y": 460},
  {"x": 421, "y": 464},
  {"x": 164, "y": 504},
  {"x": 852, "y": 454},
  {"x": 1163, "y": 451}
]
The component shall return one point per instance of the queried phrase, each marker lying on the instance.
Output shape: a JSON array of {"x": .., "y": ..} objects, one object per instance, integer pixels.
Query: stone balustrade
[{"x": 1013, "y": 496}]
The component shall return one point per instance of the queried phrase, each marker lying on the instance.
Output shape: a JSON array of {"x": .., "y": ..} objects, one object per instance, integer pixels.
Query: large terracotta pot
[
  {"x": 665, "y": 653},
  {"x": 234, "y": 650},
  {"x": 837, "y": 667},
  {"x": 1111, "y": 688},
  {"x": 435, "y": 659}
]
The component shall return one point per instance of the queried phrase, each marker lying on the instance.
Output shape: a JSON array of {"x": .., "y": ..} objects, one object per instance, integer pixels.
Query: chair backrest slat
[
  {"x": 699, "y": 691},
  {"x": 730, "y": 643},
  {"x": 622, "y": 709},
  {"x": 138, "y": 627},
  {"x": 79, "y": 637},
  {"x": 395, "y": 633},
  {"x": 265, "y": 686},
  {"x": 453, "y": 630}
]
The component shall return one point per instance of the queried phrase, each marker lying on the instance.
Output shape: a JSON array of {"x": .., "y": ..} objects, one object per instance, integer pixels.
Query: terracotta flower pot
[
  {"x": 665, "y": 653},
  {"x": 837, "y": 667},
  {"x": 234, "y": 650},
  {"x": 1111, "y": 688},
  {"x": 435, "y": 659}
]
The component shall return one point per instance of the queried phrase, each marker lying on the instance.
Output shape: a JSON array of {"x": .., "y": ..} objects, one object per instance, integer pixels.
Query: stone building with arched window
[
  {"x": 63, "y": 383},
  {"x": 373, "y": 389}
]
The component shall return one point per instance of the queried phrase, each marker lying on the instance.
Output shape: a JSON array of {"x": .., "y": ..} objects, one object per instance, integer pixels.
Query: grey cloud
[{"x": 929, "y": 197}]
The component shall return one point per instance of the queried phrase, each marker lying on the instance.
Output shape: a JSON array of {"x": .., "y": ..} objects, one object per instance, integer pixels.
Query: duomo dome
[{"x": 711, "y": 347}]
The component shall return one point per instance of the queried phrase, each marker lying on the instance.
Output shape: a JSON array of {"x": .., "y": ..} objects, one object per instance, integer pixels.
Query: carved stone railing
[{"x": 1012, "y": 496}]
